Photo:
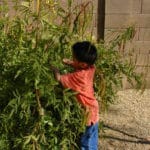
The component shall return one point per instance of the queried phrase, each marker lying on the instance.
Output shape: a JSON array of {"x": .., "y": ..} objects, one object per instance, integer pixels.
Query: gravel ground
[{"x": 127, "y": 123}]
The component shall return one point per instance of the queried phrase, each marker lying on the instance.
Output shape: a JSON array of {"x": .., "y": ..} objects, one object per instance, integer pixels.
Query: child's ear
[{"x": 83, "y": 65}]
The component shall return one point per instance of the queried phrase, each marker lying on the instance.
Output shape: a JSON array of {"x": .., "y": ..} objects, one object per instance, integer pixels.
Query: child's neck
[{"x": 80, "y": 65}]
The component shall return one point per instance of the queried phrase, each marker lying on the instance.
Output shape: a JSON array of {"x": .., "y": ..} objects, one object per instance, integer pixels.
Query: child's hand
[{"x": 67, "y": 61}]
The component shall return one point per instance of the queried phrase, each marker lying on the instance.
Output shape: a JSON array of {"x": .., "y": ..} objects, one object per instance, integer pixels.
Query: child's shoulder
[{"x": 83, "y": 72}]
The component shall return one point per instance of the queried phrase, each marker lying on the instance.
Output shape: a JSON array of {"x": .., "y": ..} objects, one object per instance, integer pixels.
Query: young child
[{"x": 81, "y": 80}]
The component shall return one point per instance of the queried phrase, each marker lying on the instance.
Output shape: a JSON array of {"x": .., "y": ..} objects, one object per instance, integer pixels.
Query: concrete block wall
[{"x": 121, "y": 14}]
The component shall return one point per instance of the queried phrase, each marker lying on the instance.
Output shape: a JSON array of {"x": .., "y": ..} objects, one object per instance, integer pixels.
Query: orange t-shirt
[{"x": 81, "y": 81}]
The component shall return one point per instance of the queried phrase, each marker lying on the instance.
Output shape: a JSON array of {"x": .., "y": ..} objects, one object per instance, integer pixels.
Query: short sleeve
[
  {"x": 71, "y": 81},
  {"x": 80, "y": 81}
]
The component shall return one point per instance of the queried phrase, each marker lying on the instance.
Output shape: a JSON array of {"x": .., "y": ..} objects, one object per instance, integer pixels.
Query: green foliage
[{"x": 36, "y": 112}]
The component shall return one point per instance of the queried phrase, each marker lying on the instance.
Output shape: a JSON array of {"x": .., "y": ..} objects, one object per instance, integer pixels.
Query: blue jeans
[{"x": 89, "y": 139}]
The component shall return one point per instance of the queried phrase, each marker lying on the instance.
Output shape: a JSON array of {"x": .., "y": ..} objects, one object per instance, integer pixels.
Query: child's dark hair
[{"x": 85, "y": 52}]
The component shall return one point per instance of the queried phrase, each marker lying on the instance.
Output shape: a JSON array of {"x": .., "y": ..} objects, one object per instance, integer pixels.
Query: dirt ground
[{"x": 127, "y": 123}]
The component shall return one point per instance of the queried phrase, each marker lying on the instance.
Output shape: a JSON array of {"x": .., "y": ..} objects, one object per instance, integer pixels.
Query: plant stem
[
  {"x": 40, "y": 109},
  {"x": 37, "y": 7}
]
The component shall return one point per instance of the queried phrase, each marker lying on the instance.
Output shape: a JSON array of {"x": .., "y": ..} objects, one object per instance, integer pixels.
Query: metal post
[{"x": 100, "y": 20}]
